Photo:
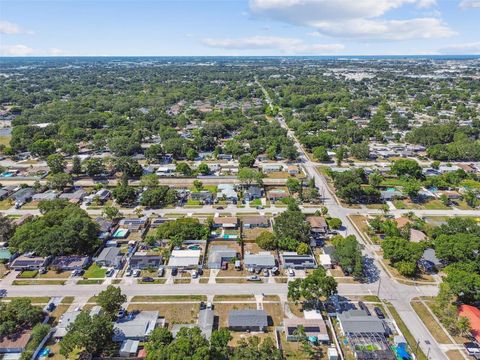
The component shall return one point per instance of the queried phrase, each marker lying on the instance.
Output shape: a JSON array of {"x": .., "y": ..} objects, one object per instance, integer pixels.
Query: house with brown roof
[
  {"x": 252, "y": 222},
  {"x": 226, "y": 222},
  {"x": 318, "y": 224}
]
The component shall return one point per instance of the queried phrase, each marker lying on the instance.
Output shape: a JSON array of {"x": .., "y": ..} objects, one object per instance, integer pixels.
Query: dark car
[
  {"x": 200, "y": 271},
  {"x": 379, "y": 312},
  {"x": 147, "y": 279},
  {"x": 50, "y": 307},
  {"x": 225, "y": 266},
  {"x": 220, "y": 208},
  {"x": 174, "y": 271},
  {"x": 364, "y": 307}
]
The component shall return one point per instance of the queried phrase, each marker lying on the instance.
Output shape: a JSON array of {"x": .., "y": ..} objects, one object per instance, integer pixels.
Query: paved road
[{"x": 399, "y": 295}]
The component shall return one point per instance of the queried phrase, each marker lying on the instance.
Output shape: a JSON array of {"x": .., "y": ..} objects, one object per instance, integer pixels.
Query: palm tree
[{"x": 463, "y": 325}]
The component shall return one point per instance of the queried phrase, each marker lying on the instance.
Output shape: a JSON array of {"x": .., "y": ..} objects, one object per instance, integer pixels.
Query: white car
[
  {"x": 128, "y": 272},
  {"x": 194, "y": 274},
  {"x": 291, "y": 273},
  {"x": 110, "y": 272},
  {"x": 137, "y": 272}
]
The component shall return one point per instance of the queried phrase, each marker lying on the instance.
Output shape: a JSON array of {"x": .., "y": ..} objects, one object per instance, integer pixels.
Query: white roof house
[
  {"x": 184, "y": 258},
  {"x": 325, "y": 261}
]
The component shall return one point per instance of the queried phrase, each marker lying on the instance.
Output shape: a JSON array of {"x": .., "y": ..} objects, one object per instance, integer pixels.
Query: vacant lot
[
  {"x": 173, "y": 313},
  {"x": 95, "y": 271},
  {"x": 275, "y": 313}
]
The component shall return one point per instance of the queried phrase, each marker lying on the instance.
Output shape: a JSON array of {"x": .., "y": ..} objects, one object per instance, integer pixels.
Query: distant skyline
[{"x": 238, "y": 27}]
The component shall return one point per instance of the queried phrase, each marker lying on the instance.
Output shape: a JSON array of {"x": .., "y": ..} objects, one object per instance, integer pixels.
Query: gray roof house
[
  {"x": 135, "y": 326},
  {"x": 294, "y": 261},
  {"x": 429, "y": 261},
  {"x": 23, "y": 195},
  {"x": 110, "y": 256},
  {"x": 206, "y": 318},
  {"x": 47, "y": 195},
  {"x": 25, "y": 262},
  {"x": 260, "y": 260},
  {"x": 353, "y": 322},
  {"x": 252, "y": 193},
  {"x": 140, "y": 260},
  {"x": 204, "y": 196},
  {"x": 391, "y": 195},
  {"x": 247, "y": 320},
  {"x": 218, "y": 254},
  {"x": 66, "y": 319},
  {"x": 71, "y": 262}
]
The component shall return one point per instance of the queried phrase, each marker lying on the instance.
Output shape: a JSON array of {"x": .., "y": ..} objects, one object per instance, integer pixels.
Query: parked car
[
  {"x": 266, "y": 272},
  {"x": 3, "y": 293},
  {"x": 253, "y": 278},
  {"x": 121, "y": 313},
  {"x": 364, "y": 307},
  {"x": 50, "y": 307},
  {"x": 224, "y": 266},
  {"x": 161, "y": 272},
  {"x": 274, "y": 270},
  {"x": 220, "y": 208},
  {"x": 78, "y": 272},
  {"x": 110, "y": 272},
  {"x": 194, "y": 274},
  {"x": 137, "y": 272},
  {"x": 259, "y": 207},
  {"x": 129, "y": 272},
  {"x": 174, "y": 271},
  {"x": 147, "y": 279},
  {"x": 200, "y": 270},
  {"x": 291, "y": 273},
  {"x": 209, "y": 305},
  {"x": 42, "y": 270},
  {"x": 258, "y": 270},
  {"x": 379, "y": 312}
]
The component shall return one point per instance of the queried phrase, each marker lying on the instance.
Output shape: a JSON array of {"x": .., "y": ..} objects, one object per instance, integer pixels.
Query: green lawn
[
  {"x": 256, "y": 202},
  {"x": 5, "y": 204},
  {"x": 5, "y": 140},
  {"x": 191, "y": 202},
  {"x": 435, "y": 205},
  {"x": 28, "y": 274},
  {"x": 95, "y": 271}
]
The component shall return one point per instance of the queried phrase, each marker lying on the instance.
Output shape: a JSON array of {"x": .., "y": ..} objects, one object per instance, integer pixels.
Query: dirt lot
[
  {"x": 237, "y": 336},
  {"x": 173, "y": 313},
  {"x": 252, "y": 234},
  {"x": 252, "y": 247},
  {"x": 275, "y": 312}
]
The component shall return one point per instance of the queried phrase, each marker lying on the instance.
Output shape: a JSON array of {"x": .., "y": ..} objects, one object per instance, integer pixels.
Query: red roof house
[{"x": 472, "y": 313}]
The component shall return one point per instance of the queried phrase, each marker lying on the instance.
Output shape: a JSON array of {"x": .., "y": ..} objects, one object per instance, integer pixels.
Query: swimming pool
[
  {"x": 6, "y": 174},
  {"x": 120, "y": 233}
]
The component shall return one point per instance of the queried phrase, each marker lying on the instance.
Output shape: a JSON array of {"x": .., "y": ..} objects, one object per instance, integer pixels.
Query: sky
[{"x": 238, "y": 27}]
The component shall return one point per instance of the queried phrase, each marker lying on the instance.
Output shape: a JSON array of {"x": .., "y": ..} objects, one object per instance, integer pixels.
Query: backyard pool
[
  {"x": 120, "y": 233},
  {"x": 6, "y": 174}
]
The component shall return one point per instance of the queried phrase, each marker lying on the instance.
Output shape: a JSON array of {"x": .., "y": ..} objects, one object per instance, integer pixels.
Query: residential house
[
  {"x": 62, "y": 327},
  {"x": 247, "y": 320},
  {"x": 390, "y": 195},
  {"x": 135, "y": 326},
  {"x": 402, "y": 221},
  {"x": 205, "y": 197},
  {"x": 326, "y": 261},
  {"x": 318, "y": 225},
  {"x": 74, "y": 197},
  {"x": 184, "y": 259},
  {"x": 219, "y": 254},
  {"x": 106, "y": 227},
  {"x": 3, "y": 194},
  {"x": 276, "y": 194},
  {"x": 166, "y": 170},
  {"x": 134, "y": 224},
  {"x": 110, "y": 257},
  {"x": 314, "y": 328},
  {"x": 357, "y": 322},
  {"x": 293, "y": 170},
  {"x": 252, "y": 222},
  {"x": 262, "y": 260},
  {"x": 29, "y": 262},
  {"x": 472, "y": 313},
  {"x": 227, "y": 192},
  {"x": 22, "y": 196},
  {"x": 271, "y": 167},
  {"x": 141, "y": 260},
  {"x": 45, "y": 196},
  {"x": 429, "y": 261},
  {"x": 129, "y": 348},
  {"x": 253, "y": 192},
  {"x": 443, "y": 169},
  {"x": 291, "y": 260},
  {"x": 70, "y": 262},
  {"x": 225, "y": 222},
  {"x": 206, "y": 319}
]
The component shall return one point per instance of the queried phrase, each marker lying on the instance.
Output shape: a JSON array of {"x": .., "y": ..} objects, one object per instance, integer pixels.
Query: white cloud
[
  {"x": 419, "y": 28},
  {"x": 461, "y": 49},
  {"x": 16, "y": 50},
  {"x": 9, "y": 28},
  {"x": 353, "y": 18},
  {"x": 426, "y": 3},
  {"x": 282, "y": 44},
  {"x": 24, "y": 50},
  {"x": 469, "y": 4}
]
